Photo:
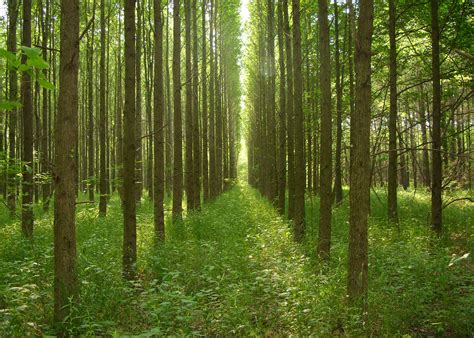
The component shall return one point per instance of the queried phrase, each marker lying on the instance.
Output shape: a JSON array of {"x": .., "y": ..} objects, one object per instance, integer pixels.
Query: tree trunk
[
  {"x": 12, "y": 96},
  {"x": 102, "y": 119},
  {"x": 158, "y": 121},
  {"x": 27, "y": 112},
  {"x": 90, "y": 111},
  {"x": 339, "y": 81},
  {"x": 289, "y": 113},
  {"x": 299, "y": 128},
  {"x": 271, "y": 124},
  {"x": 178, "y": 129},
  {"x": 66, "y": 285},
  {"x": 129, "y": 147},
  {"x": 44, "y": 155},
  {"x": 212, "y": 143},
  {"x": 195, "y": 92},
  {"x": 359, "y": 197},
  {"x": 282, "y": 116},
  {"x": 437, "y": 178},
  {"x": 392, "y": 123},
  {"x": 138, "y": 103},
  {"x": 204, "y": 123},
  {"x": 325, "y": 211},
  {"x": 189, "y": 167}
]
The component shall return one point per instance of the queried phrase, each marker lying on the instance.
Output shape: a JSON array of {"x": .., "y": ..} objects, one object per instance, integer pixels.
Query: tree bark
[
  {"x": 178, "y": 129},
  {"x": 12, "y": 96},
  {"x": 129, "y": 146},
  {"x": 325, "y": 211},
  {"x": 102, "y": 117},
  {"x": 158, "y": 121},
  {"x": 189, "y": 167},
  {"x": 195, "y": 102},
  {"x": 299, "y": 128},
  {"x": 289, "y": 112},
  {"x": 66, "y": 285},
  {"x": 27, "y": 114},
  {"x": 359, "y": 197},
  {"x": 204, "y": 116},
  {"x": 392, "y": 124},
  {"x": 282, "y": 116},
  {"x": 339, "y": 84},
  {"x": 437, "y": 178}
]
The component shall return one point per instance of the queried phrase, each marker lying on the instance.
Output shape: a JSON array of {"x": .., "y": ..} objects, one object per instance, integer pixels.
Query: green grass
[{"x": 233, "y": 269}]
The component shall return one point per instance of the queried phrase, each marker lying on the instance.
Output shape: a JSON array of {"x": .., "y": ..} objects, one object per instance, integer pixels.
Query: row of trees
[
  {"x": 117, "y": 122},
  {"x": 338, "y": 104}
]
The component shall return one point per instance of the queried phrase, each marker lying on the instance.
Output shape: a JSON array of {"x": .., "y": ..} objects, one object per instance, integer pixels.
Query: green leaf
[
  {"x": 37, "y": 63},
  {"x": 45, "y": 84},
  {"x": 9, "y": 105}
]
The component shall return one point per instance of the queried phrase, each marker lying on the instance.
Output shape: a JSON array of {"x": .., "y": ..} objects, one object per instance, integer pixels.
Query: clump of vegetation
[{"x": 234, "y": 269}]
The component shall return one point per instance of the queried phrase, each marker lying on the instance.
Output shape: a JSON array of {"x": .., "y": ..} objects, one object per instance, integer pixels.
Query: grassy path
[{"x": 241, "y": 271}]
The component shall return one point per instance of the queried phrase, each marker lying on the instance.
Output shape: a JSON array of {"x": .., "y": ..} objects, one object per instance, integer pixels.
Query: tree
[
  {"x": 27, "y": 115},
  {"x": 66, "y": 285},
  {"x": 129, "y": 146},
  {"x": 289, "y": 111},
  {"x": 324, "y": 242},
  {"x": 12, "y": 96},
  {"x": 158, "y": 121},
  {"x": 392, "y": 124},
  {"x": 271, "y": 189},
  {"x": 178, "y": 131},
  {"x": 204, "y": 122},
  {"x": 359, "y": 196},
  {"x": 189, "y": 168},
  {"x": 102, "y": 117},
  {"x": 195, "y": 104},
  {"x": 299, "y": 128},
  {"x": 282, "y": 114},
  {"x": 339, "y": 83},
  {"x": 437, "y": 178},
  {"x": 138, "y": 103}
]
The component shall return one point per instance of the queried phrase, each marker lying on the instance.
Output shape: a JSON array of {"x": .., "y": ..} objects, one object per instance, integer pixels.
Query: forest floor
[{"x": 233, "y": 269}]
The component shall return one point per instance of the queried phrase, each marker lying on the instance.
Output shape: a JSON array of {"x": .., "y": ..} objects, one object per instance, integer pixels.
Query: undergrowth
[{"x": 233, "y": 269}]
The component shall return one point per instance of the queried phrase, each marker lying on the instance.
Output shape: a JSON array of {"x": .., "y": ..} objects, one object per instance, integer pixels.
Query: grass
[{"x": 233, "y": 269}]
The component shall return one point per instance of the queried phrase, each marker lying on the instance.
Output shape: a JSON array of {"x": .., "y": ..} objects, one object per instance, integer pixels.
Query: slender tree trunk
[
  {"x": 129, "y": 147},
  {"x": 66, "y": 285},
  {"x": 392, "y": 124},
  {"x": 158, "y": 120},
  {"x": 289, "y": 113},
  {"x": 424, "y": 139},
  {"x": 218, "y": 99},
  {"x": 359, "y": 197},
  {"x": 339, "y": 81},
  {"x": 90, "y": 111},
  {"x": 178, "y": 129},
  {"x": 169, "y": 116},
  {"x": 138, "y": 119},
  {"x": 271, "y": 124},
  {"x": 45, "y": 160},
  {"x": 195, "y": 92},
  {"x": 189, "y": 167},
  {"x": 282, "y": 116},
  {"x": 204, "y": 123},
  {"x": 437, "y": 173},
  {"x": 212, "y": 143},
  {"x": 119, "y": 116},
  {"x": 299, "y": 127},
  {"x": 102, "y": 120},
  {"x": 12, "y": 96},
  {"x": 325, "y": 211},
  {"x": 27, "y": 112}
]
